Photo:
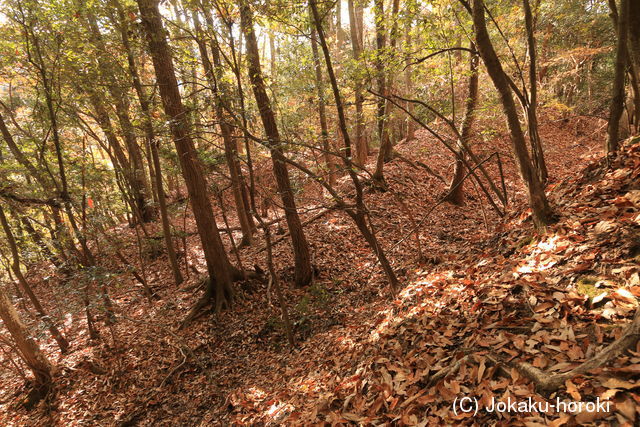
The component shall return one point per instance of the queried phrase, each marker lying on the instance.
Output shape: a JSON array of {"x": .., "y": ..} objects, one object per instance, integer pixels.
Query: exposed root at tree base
[
  {"x": 210, "y": 296},
  {"x": 445, "y": 372},
  {"x": 377, "y": 184},
  {"x": 547, "y": 383},
  {"x": 35, "y": 395},
  {"x": 198, "y": 309}
]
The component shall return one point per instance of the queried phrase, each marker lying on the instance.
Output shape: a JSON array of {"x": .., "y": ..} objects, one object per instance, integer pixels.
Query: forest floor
[{"x": 479, "y": 292}]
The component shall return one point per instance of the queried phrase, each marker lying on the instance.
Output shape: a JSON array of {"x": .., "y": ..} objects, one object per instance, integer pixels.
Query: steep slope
[
  {"x": 477, "y": 288},
  {"x": 464, "y": 329}
]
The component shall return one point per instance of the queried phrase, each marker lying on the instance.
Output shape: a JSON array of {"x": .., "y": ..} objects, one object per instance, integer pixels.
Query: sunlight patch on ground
[
  {"x": 345, "y": 343},
  {"x": 420, "y": 297},
  {"x": 337, "y": 226},
  {"x": 278, "y": 409},
  {"x": 543, "y": 255},
  {"x": 255, "y": 397}
]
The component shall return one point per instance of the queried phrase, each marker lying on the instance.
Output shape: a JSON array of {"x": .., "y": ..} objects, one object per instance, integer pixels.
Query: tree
[
  {"x": 213, "y": 73},
  {"x": 456, "y": 188},
  {"x": 386, "y": 148},
  {"x": 537, "y": 153},
  {"x": 634, "y": 58},
  {"x": 152, "y": 143},
  {"x": 29, "y": 349},
  {"x": 36, "y": 56},
  {"x": 135, "y": 171},
  {"x": 378, "y": 9},
  {"x": 617, "y": 102},
  {"x": 537, "y": 198},
  {"x": 356, "y": 29},
  {"x": 359, "y": 214},
  {"x": 15, "y": 266},
  {"x": 408, "y": 81},
  {"x": 322, "y": 110},
  {"x": 218, "y": 265},
  {"x": 48, "y": 185},
  {"x": 303, "y": 268}
]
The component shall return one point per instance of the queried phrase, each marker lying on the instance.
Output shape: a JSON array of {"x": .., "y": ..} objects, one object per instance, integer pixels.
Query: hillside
[{"x": 469, "y": 312}]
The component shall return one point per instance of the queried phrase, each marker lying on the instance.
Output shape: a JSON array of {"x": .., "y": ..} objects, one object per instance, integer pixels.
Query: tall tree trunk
[
  {"x": 15, "y": 266},
  {"x": 246, "y": 190},
  {"x": 87, "y": 256},
  {"x": 38, "y": 239},
  {"x": 634, "y": 54},
  {"x": 339, "y": 30},
  {"x": 153, "y": 144},
  {"x": 28, "y": 347},
  {"x": 386, "y": 146},
  {"x": 303, "y": 269},
  {"x": 218, "y": 266},
  {"x": 408, "y": 82},
  {"x": 634, "y": 31},
  {"x": 214, "y": 78},
  {"x": 322, "y": 111},
  {"x": 359, "y": 213},
  {"x": 272, "y": 56},
  {"x": 380, "y": 80},
  {"x": 537, "y": 153},
  {"x": 361, "y": 149},
  {"x": 537, "y": 198},
  {"x": 617, "y": 102},
  {"x": 118, "y": 158},
  {"x": 456, "y": 188},
  {"x": 37, "y": 60},
  {"x": 140, "y": 188},
  {"x": 62, "y": 235},
  {"x": 21, "y": 158}
]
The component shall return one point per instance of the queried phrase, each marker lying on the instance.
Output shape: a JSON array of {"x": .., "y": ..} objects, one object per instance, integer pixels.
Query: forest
[{"x": 319, "y": 212}]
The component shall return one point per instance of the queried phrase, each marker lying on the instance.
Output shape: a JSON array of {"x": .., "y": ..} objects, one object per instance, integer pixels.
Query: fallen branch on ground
[
  {"x": 446, "y": 371},
  {"x": 422, "y": 165},
  {"x": 548, "y": 383}
]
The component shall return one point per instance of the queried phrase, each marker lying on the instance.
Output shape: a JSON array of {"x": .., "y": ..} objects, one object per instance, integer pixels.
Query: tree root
[
  {"x": 378, "y": 184},
  {"x": 175, "y": 369},
  {"x": 445, "y": 372},
  {"x": 547, "y": 383},
  {"x": 198, "y": 308},
  {"x": 36, "y": 393},
  {"x": 209, "y": 295}
]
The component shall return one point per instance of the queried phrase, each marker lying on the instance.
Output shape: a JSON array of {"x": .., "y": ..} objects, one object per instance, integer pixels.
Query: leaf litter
[{"x": 477, "y": 301}]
